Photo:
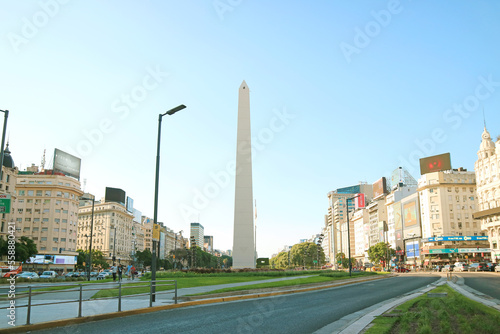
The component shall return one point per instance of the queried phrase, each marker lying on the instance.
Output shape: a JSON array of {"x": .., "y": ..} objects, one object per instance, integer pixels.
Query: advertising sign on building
[
  {"x": 379, "y": 188},
  {"x": 67, "y": 164},
  {"x": 5, "y": 203},
  {"x": 114, "y": 195},
  {"x": 359, "y": 201},
  {"x": 457, "y": 238},
  {"x": 436, "y": 163}
]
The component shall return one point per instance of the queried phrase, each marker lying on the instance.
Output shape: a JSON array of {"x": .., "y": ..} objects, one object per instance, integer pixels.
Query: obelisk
[{"x": 243, "y": 237}]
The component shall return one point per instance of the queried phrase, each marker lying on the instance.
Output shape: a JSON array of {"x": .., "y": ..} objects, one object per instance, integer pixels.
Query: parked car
[
  {"x": 27, "y": 274},
  {"x": 497, "y": 268},
  {"x": 461, "y": 266},
  {"x": 401, "y": 270},
  {"x": 104, "y": 275},
  {"x": 48, "y": 274},
  {"x": 491, "y": 266},
  {"x": 448, "y": 268},
  {"x": 71, "y": 274},
  {"x": 474, "y": 267},
  {"x": 93, "y": 274}
]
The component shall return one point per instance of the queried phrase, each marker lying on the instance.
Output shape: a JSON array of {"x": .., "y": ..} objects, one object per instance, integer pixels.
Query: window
[
  {"x": 27, "y": 219},
  {"x": 45, "y": 210},
  {"x": 46, "y": 201},
  {"x": 19, "y": 210},
  {"x": 58, "y": 210},
  {"x": 26, "y": 229},
  {"x": 57, "y": 220},
  {"x": 59, "y": 194},
  {"x": 35, "y": 229},
  {"x": 29, "y": 201},
  {"x": 55, "y": 239},
  {"x": 48, "y": 193},
  {"x": 21, "y": 192},
  {"x": 43, "y": 248},
  {"x": 39, "y": 193},
  {"x": 63, "y": 239},
  {"x": 449, "y": 189},
  {"x": 45, "y": 229},
  {"x": 31, "y": 192},
  {"x": 36, "y": 220},
  {"x": 45, "y": 220}
]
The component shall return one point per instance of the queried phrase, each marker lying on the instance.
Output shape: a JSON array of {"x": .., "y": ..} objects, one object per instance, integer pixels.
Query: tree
[
  {"x": 25, "y": 248},
  {"x": 98, "y": 259},
  {"x": 380, "y": 252},
  {"x": 343, "y": 260},
  {"x": 144, "y": 258},
  {"x": 304, "y": 254}
]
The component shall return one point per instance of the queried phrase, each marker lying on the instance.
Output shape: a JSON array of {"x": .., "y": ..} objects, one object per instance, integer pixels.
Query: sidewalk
[{"x": 67, "y": 310}]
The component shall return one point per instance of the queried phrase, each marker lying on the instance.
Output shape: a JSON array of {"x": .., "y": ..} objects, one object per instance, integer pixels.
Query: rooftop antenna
[
  {"x": 484, "y": 119},
  {"x": 42, "y": 163}
]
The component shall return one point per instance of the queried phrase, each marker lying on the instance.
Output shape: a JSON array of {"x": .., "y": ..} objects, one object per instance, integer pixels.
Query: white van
[{"x": 461, "y": 266}]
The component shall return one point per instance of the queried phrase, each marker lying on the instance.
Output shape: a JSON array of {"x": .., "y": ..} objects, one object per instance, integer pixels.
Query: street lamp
[
  {"x": 87, "y": 197},
  {"x": 6, "y": 115},
  {"x": 157, "y": 179}
]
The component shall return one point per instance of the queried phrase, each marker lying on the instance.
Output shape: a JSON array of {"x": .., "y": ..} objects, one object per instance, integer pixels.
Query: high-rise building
[
  {"x": 197, "y": 232},
  {"x": 208, "y": 243},
  {"x": 487, "y": 169},
  {"x": 337, "y": 216}
]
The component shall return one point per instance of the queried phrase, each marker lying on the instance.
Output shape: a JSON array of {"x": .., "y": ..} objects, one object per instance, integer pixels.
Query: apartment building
[{"x": 46, "y": 210}]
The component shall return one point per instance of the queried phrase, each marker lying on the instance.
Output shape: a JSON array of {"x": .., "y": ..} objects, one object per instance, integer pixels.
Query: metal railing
[{"x": 80, "y": 288}]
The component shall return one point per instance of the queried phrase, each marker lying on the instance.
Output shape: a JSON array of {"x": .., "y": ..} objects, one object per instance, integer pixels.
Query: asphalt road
[
  {"x": 295, "y": 313},
  {"x": 487, "y": 283}
]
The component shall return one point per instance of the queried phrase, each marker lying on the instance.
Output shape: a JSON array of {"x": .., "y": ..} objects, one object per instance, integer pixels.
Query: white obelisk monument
[{"x": 243, "y": 238}]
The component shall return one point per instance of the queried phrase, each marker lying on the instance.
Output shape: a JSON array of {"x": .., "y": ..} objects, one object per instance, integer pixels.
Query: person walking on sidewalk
[
  {"x": 120, "y": 269},
  {"x": 114, "y": 270}
]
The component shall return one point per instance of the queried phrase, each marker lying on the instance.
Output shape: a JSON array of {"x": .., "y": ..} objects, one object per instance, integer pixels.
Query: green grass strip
[{"x": 451, "y": 314}]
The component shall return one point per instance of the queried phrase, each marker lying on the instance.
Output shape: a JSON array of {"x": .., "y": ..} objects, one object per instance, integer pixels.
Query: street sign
[{"x": 4, "y": 203}]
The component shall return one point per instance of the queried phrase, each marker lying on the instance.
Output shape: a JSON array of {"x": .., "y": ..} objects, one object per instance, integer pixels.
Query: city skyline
[{"x": 341, "y": 93}]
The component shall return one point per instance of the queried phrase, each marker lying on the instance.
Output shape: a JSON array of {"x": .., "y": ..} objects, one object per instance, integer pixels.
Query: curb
[{"x": 74, "y": 321}]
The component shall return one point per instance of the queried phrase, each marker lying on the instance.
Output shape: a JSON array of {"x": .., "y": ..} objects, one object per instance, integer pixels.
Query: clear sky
[{"x": 341, "y": 92}]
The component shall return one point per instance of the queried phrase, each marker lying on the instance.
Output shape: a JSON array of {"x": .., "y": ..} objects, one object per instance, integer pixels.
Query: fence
[{"x": 154, "y": 286}]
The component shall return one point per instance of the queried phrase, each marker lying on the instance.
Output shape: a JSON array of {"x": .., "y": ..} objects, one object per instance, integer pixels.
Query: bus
[{"x": 7, "y": 271}]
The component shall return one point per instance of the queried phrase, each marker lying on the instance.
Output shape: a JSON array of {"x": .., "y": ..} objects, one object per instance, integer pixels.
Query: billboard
[
  {"x": 412, "y": 249},
  {"x": 5, "y": 203},
  {"x": 114, "y": 195},
  {"x": 52, "y": 259},
  {"x": 379, "y": 188},
  {"x": 359, "y": 201},
  {"x": 130, "y": 205},
  {"x": 410, "y": 214},
  {"x": 436, "y": 163},
  {"x": 66, "y": 163},
  {"x": 457, "y": 238},
  {"x": 397, "y": 216}
]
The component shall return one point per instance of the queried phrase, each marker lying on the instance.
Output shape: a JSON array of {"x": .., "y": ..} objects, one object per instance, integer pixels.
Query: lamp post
[
  {"x": 114, "y": 246},
  {"x": 157, "y": 179},
  {"x": 6, "y": 115},
  {"x": 88, "y": 198}
]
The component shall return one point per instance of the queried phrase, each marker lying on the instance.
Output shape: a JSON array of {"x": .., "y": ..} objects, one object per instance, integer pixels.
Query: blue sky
[{"x": 341, "y": 92}]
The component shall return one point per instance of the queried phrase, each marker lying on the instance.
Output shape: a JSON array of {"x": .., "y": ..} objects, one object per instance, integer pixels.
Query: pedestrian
[
  {"x": 132, "y": 272},
  {"x": 114, "y": 270},
  {"x": 120, "y": 273}
]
